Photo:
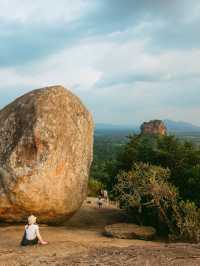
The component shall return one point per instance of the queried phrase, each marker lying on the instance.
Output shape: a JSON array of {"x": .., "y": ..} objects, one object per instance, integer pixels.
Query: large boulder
[
  {"x": 130, "y": 231},
  {"x": 46, "y": 143}
]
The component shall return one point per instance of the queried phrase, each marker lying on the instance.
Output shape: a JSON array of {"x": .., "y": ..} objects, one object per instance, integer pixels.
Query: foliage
[
  {"x": 156, "y": 179},
  {"x": 94, "y": 187},
  {"x": 188, "y": 222},
  {"x": 106, "y": 149},
  {"x": 145, "y": 191},
  {"x": 182, "y": 158},
  {"x": 190, "y": 186}
]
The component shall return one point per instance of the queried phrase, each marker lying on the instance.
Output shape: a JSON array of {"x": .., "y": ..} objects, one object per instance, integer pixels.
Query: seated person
[{"x": 32, "y": 234}]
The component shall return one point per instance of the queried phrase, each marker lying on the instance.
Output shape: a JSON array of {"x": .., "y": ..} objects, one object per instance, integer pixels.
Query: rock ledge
[{"x": 130, "y": 231}]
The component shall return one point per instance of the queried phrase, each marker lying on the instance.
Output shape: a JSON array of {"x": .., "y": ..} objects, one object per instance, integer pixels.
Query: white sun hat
[{"x": 32, "y": 219}]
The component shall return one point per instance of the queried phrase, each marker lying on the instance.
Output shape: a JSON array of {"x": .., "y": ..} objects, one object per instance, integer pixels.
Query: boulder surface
[
  {"x": 46, "y": 143},
  {"x": 130, "y": 231}
]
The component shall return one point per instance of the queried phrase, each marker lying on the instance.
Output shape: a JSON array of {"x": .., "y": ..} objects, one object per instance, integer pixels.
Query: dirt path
[{"x": 80, "y": 242}]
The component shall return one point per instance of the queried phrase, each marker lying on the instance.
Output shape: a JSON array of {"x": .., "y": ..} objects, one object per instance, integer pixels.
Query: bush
[
  {"x": 146, "y": 193},
  {"x": 188, "y": 222},
  {"x": 182, "y": 158},
  {"x": 94, "y": 187}
]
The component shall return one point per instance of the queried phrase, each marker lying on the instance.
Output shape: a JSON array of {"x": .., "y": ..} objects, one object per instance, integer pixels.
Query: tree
[
  {"x": 146, "y": 193},
  {"x": 182, "y": 158}
]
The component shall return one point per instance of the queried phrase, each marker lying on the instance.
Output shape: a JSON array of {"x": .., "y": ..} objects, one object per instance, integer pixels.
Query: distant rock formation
[
  {"x": 154, "y": 127},
  {"x": 46, "y": 143}
]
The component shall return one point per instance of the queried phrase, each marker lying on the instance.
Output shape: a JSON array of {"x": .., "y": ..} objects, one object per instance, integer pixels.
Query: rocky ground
[{"x": 80, "y": 242}]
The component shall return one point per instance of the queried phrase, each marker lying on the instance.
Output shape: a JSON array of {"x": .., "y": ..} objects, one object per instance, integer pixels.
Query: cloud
[
  {"x": 46, "y": 11},
  {"x": 128, "y": 61},
  {"x": 32, "y": 30}
]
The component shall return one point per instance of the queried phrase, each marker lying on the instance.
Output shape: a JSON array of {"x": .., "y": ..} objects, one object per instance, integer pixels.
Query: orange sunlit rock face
[
  {"x": 154, "y": 127},
  {"x": 46, "y": 143}
]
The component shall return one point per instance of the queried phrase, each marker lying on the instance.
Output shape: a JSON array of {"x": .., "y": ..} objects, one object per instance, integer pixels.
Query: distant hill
[
  {"x": 172, "y": 126},
  {"x": 180, "y": 126}
]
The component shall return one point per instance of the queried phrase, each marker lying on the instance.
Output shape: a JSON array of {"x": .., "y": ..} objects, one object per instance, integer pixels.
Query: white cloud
[
  {"x": 91, "y": 61},
  {"x": 71, "y": 67},
  {"x": 94, "y": 61},
  {"x": 43, "y": 11},
  {"x": 131, "y": 58},
  {"x": 136, "y": 84}
]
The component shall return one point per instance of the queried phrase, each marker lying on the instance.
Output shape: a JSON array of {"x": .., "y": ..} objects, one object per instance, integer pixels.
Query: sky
[{"x": 129, "y": 61}]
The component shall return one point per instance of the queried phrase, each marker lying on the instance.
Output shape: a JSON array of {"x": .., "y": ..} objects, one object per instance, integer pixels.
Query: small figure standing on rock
[
  {"x": 32, "y": 234},
  {"x": 101, "y": 193},
  {"x": 105, "y": 196},
  {"x": 99, "y": 201}
]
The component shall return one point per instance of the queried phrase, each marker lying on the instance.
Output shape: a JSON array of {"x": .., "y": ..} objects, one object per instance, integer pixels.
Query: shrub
[
  {"x": 188, "y": 222},
  {"x": 182, "y": 158},
  {"x": 94, "y": 187},
  {"x": 146, "y": 193}
]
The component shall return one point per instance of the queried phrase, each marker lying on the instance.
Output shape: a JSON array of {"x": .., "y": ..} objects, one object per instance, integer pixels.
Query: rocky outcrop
[
  {"x": 46, "y": 142},
  {"x": 154, "y": 127},
  {"x": 130, "y": 231}
]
